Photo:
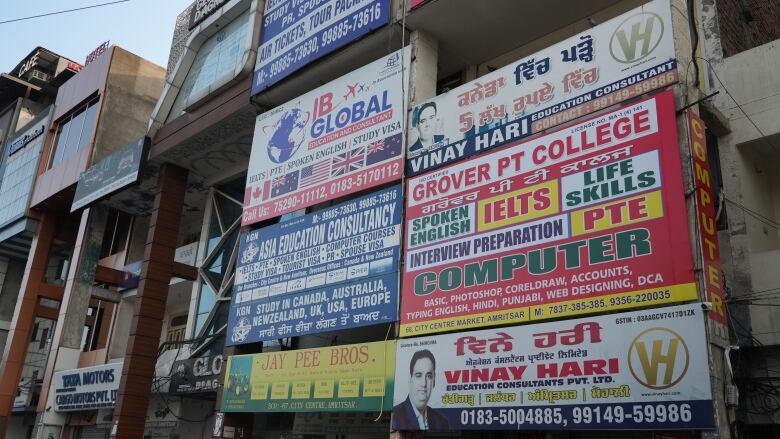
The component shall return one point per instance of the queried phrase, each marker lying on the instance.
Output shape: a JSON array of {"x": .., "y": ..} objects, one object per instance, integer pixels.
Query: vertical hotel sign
[
  {"x": 705, "y": 213},
  {"x": 341, "y": 138},
  {"x": 588, "y": 218}
]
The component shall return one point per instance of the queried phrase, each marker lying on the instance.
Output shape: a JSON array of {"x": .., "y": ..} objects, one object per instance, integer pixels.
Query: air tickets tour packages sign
[
  {"x": 332, "y": 269},
  {"x": 639, "y": 370},
  {"x": 298, "y": 32},
  {"x": 338, "y": 139},
  {"x": 357, "y": 377},
  {"x": 624, "y": 57},
  {"x": 588, "y": 218}
]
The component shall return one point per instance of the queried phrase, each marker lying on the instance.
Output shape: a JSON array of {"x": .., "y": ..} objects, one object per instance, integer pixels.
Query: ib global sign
[
  {"x": 332, "y": 269},
  {"x": 338, "y": 139},
  {"x": 296, "y": 33},
  {"x": 617, "y": 60},
  {"x": 630, "y": 371},
  {"x": 589, "y": 218}
]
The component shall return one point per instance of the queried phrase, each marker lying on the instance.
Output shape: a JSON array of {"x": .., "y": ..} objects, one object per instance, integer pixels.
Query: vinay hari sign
[{"x": 588, "y": 218}]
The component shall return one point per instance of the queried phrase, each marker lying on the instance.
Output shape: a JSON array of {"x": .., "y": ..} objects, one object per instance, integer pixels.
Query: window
[
  {"x": 74, "y": 132},
  {"x": 117, "y": 233}
]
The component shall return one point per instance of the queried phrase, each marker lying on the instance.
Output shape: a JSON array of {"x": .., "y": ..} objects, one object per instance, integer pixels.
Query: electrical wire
[{"x": 13, "y": 20}]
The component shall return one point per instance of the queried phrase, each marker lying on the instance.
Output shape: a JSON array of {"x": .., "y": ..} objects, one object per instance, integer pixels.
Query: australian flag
[
  {"x": 384, "y": 149},
  {"x": 284, "y": 184}
]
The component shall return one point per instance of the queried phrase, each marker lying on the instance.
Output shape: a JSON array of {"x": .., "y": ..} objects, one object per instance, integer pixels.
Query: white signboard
[
  {"x": 88, "y": 388},
  {"x": 341, "y": 138},
  {"x": 624, "y": 57}
]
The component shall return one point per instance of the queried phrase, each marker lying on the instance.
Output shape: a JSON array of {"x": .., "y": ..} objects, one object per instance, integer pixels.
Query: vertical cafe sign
[
  {"x": 624, "y": 57},
  {"x": 297, "y": 33},
  {"x": 341, "y": 138},
  {"x": 332, "y": 269},
  {"x": 585, "y": 219}
]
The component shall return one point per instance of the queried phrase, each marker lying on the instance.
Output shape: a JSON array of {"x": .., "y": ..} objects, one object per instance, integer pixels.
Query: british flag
[
  {"x": 315, "y": 173},
  {"x": 348, "y": 161}
]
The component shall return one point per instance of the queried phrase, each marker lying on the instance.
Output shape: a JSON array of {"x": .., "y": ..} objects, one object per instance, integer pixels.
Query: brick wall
[{"x": 745, "y": 24}]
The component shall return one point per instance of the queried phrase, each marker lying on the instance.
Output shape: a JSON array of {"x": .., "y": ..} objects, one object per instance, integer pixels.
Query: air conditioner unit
[{"x": 39, "y": 76}]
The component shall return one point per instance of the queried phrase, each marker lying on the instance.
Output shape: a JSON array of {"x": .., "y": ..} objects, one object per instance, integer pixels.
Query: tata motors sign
[
  {"x": 624, "y": 57},
  {"x": 586, "y": 219},
  {"x": 642, "y": 370},
  {"x": 341, "y": 138},
  {"x": 88, "y": 388}
]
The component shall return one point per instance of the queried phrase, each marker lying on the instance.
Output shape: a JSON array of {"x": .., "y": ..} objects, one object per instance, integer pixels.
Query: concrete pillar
[
  {"x": 689, "y": 90},
  {"x": 145, "y": 328},
  {"x": 24, "y": 316},
  {"x": 423, "y": 71},
  {"x": 66, "y": 342}
]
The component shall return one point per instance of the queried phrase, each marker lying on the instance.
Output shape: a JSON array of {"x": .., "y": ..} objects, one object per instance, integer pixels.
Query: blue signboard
[
  {"x": 332, "y": 269},
  {"x": 296, "y": 33}
]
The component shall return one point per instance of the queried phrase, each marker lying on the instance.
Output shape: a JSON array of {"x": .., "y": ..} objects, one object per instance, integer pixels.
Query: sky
[{"x": 144, "y": 27}]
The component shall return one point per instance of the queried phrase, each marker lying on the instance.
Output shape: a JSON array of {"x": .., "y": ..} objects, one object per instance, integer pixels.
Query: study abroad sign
[
  {"x": 297, "y": 33},
  {"x": 87, "y": 388},
  {"x": 347, "y": 378},
  {"x": 338, "y": 139},
  {"x": 631, "y": 371},
  {"x": 586, "y": 219},
  {"x": 333, "y": 269},
  {"x": 622, "y": 58}
]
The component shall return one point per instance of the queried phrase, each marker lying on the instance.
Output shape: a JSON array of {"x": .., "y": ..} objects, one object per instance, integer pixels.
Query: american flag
[
  {"x": 315, "y": 173},
  {"x": 349, "y": 161}
]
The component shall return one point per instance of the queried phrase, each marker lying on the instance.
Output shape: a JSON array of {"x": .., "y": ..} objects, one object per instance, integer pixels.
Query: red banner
[
  {"x": 588, "y": 218},
  {"x": 705, "y": 212}
]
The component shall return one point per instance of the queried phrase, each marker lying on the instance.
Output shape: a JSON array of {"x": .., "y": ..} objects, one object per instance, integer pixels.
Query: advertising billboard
[
  {"x": 621, "y": 58},
  {"x": 586, "y": 219},
  {"x": 115, "y": 172},
  {"x": 88, "y": 388},
  {"x": 332, "y": 269},
  {"x": 196, "y": 375},
  {"x": 338, "y": 139},
  {"x": 347, "y": 378},
  {"x": 628, "y": 371},
  {"x": 708, "y": 230},
  {"x": 297, "y": 33}
]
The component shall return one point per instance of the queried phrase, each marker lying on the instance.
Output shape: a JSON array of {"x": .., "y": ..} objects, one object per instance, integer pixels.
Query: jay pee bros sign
[{"x": 589, "y": 218}]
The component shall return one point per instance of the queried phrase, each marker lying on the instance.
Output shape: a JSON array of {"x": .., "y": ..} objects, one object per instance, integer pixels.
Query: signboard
[
  {"x": 28, "y": 64},
  {"x": 349, "y": 423},
  {"x": 99, "y": 50},
  {"x": 708, "y": 230},
  {"x": 333, "y": 269},
  {"x": 624, "y": 57},
  {"x": 196, "y": 375},
  {"x": 202, "y": 9},
  {"x": 341, "y": 138},
  {"x": 348, "y": 378},
  {"x": 115, "y": 172},
  {"x": 25, "y": 139},
  {"x": 88, "y": 388},
  {"x": 295, "y": 34},
  {"x": 586, "y": 219},
  {"x": 641, "y": 370}
]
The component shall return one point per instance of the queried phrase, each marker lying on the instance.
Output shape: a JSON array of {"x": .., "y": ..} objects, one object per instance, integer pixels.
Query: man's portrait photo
[
  {"x": 426, "y": 121},
  {"x": 414, "y": 413}
]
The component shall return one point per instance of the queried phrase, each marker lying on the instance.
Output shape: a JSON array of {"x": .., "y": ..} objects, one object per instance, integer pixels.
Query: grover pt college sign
[
  {"x": 332, "y": 269},
  {"x": 585, "y": 219},
  {"x": 639, "y": 370},
  {"x": 296, "y": 33}
]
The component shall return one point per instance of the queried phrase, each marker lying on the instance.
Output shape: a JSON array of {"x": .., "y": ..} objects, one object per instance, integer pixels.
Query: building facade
[{"x": 388, "y": 218}]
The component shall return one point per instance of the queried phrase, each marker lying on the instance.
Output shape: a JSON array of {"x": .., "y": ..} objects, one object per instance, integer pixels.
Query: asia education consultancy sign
[
  {"x": 357, "y": 377},
  {"x": 586, "y": 219}
]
